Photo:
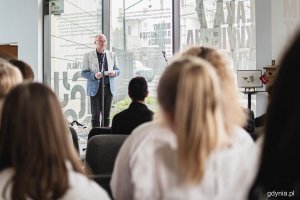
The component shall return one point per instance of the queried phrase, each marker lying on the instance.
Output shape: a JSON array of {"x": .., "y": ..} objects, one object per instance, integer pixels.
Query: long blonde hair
[
  {"x": 233, "y": 112},
  {"x": 189, "y": 94}
]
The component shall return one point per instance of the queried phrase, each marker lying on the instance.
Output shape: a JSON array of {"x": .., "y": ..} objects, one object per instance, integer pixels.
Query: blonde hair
[
  {"x": 188, "y": 92},
  {"x": 9, "y": 77},
  {"x": 233, "y": 112}
]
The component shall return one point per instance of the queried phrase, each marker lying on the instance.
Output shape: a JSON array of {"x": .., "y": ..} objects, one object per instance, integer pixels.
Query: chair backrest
[
  {"x": 101, "y": 153},
  {"x": 99, "y": 131},
  {"x": 74, "y": 138}
]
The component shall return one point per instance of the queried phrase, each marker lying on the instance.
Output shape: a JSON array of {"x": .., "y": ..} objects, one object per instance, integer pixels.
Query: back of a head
[
  {"x": 25, "y": 69},
  {"x": 279, "y": 169},
  {"x": 189, "y": 96},
  {"x": 233, "y": 112},
  {"x": 138, "y": 88},
  {"x": 9, "y": 77},
  {"x": 34, "y": 142}
]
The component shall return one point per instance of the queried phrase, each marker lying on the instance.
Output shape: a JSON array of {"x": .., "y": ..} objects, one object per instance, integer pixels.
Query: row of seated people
[
  {"x": 194, "y": 149},
  {"x": 127, "y": 120}
]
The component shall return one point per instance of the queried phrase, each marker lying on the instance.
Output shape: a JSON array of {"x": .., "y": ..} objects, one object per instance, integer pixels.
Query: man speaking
[{"x": 99, "y": 67}]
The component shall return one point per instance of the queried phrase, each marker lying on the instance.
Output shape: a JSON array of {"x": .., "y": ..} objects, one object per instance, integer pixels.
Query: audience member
[
  {"x": 9, "y": 77},
  {"x": 185, "y": 162},
  {"x": 137, "y": 113},
  {"x": 121, "y": 182},
  {"x": 250, "y": 123},
  {"x": 278, "y": 174},
  {"x": 234, "y": 114},
  {"x": 37, "y": 160},
  {"x": 260, "y": 121},
  {"x": 25, "y": 69}
]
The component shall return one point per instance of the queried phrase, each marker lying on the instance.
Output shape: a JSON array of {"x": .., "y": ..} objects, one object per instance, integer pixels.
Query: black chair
[
  {"x": 101, "y": 153},
  {"x": 99, "y": 131},
  {"x": 74, "y": 138}
]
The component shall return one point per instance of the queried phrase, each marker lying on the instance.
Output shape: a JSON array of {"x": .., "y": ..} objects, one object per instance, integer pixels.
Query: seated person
[
  {"x": 137, "y": 113},
  {"x": 260, "y": 121},
  {"x": 9, "y": 78},
  {"x": 25, "y": 69},
  {"x": 37, "y": 160},
  {"x": 250, "y": 126}
]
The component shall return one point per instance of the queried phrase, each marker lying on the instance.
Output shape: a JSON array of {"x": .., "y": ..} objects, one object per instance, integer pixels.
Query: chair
[
  {"x": 74, "y": 138},
  {"x": 101, "y": 153},
  {"x": 99, "y": 131}
]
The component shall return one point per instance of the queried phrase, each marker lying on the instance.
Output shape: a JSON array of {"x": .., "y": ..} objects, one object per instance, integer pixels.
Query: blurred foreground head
[
  {"x": 234, "y": 114},
  {"x": 25, "y": 69},
  {"x": 9, "y": 77},
  {"x": 190, "y": 99},
  {"x": 34, "y": 142}
]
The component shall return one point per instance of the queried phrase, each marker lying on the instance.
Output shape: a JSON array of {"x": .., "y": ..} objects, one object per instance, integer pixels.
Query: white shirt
[
  {"x": 81, "y": 188},
  {"x": 121, "y": 182},
  {"x": 156, "y": 175}
]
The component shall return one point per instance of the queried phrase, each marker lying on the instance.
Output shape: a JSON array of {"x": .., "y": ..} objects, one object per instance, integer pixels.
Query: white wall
[
  {"x": 21, "y": 22},
  {"x": 263, "y": 45},
  {"x": 276, "y": 23},
  {"x": 285, "y": 22}
]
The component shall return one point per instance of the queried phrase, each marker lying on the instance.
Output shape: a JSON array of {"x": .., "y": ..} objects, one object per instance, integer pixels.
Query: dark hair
[
  {"x": 138, "y": 89},
  {"x": 35, "y": 143},
  {"x": 279, "y": 167},
  {"x": 25, "y": 69}
]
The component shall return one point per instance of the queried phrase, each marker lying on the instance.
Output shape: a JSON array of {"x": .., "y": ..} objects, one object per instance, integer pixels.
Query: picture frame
[{"x": 249, "y": 78}]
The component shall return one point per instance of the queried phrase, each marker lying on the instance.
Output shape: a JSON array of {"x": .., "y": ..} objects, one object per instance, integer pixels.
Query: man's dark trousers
[{"x": 96, "y": 106}]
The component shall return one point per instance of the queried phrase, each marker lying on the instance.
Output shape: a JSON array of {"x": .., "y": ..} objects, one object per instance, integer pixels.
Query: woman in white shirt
[
  {"x": 188, "y": 161},
  {"x": 234, "y": 114},
  {"x": 37, "y": 160},
  {"x": 234, "y": 119}
]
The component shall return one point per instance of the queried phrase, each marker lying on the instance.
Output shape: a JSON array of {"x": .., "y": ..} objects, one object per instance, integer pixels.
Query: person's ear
[{"x": 147, "y": 93}]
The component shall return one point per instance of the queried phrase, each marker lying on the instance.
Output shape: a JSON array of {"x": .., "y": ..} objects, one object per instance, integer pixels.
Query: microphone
[{"x": 164, "y": 55}]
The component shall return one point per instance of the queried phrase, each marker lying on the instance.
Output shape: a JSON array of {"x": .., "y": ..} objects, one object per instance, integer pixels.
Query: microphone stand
[
  {"x": 164, "y": 54},
  {"x": 102, "y": 95}
]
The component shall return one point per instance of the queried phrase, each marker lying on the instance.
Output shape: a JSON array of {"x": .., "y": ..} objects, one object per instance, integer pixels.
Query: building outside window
[{"x": 148, "y": 25}]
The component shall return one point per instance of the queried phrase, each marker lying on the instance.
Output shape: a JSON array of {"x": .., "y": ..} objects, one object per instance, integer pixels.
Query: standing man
[{"x": 91, "y": 70}]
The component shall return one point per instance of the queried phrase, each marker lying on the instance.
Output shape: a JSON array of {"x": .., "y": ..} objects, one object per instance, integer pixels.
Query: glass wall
[
  {"x": 73, "y": 29},
  {"x": 141, "y": 31},
  {"x": 228, "y": 25},
  {"x": 224, "y": 24}
]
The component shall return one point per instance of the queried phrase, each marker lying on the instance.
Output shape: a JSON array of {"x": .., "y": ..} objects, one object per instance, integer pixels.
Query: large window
[
  {"x": 72, "y": 34},
  {"x": 141, "y": 30},
  {"x": 225, "y": 24},
  {"x": 141, "y": 33},
  {"x": 228, "y": 25}
]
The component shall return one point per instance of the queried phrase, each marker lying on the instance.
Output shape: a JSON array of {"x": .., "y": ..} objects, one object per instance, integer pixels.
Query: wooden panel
[{"x": 9, "y": 51}]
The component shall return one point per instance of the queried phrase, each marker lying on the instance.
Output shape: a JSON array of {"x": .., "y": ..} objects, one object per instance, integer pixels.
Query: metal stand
[
  {"x": 249, "y": 93},
  {"x": 164, "y": 54},
  {"x": 102, "y": 95}
]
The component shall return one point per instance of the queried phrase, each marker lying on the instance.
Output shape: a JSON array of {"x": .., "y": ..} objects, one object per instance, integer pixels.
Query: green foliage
[{"x": 119, "y": 106}]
